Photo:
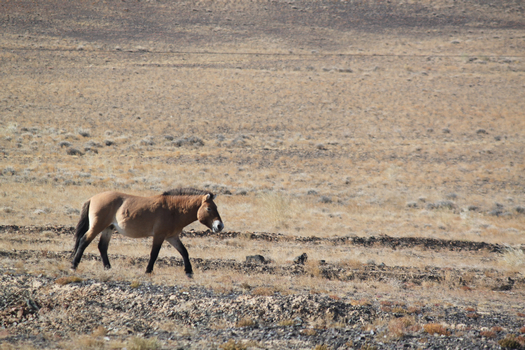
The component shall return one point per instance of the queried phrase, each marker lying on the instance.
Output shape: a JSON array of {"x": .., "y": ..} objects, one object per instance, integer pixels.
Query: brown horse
[{"x": 161, "y": 216}]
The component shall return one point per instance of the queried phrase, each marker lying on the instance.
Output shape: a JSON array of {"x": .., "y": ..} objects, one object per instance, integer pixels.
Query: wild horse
[{"x": 161, "y": 216}]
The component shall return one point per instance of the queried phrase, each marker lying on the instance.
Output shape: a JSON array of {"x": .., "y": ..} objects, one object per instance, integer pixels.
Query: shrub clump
[
  {"x": 435, "y": 328},
  {"x": 68, "y": 280}
]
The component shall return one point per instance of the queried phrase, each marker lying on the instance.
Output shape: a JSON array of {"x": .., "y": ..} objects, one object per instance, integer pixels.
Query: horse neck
[{"x": 186, "y": 207}]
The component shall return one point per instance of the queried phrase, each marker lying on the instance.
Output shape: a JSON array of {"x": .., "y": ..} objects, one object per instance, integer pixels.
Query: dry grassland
[{"x": 307, "y": 121}]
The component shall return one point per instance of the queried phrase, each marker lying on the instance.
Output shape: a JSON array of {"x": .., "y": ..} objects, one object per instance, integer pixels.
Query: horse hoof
[{"x": 189, "y": 275}]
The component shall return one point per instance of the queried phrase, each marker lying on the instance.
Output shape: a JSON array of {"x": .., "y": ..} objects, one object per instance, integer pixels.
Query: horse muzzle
[{"x": 217, "y": 226}]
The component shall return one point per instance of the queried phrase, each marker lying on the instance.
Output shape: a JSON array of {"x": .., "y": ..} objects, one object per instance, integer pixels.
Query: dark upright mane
[{"x": 186, "y": 192}]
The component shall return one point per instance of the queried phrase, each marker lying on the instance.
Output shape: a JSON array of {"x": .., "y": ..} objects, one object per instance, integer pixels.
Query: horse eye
[{"x": 208, "y": 209}]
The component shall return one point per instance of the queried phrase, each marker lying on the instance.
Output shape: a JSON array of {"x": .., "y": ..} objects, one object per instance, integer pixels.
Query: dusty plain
[{"x": 384, "y": 139}]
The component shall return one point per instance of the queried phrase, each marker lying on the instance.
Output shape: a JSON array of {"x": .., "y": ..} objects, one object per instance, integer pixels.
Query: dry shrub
[
  {"x": 138, "y": 343},
  {"x": 436, "y": 328},
  {"x": 135, "y": 284},
  {"x": 100, "y": 331},
  {"x": 286, "y": 323},
  {"x": 233, "y": 345},
  {"x": 398, "y": 327},
  {"x": 276, "y": 206},
  {"x": 309, "y": 332},
  {"x": 522, "y": 329},
  {"x": 513, "y": 258},
  {"x": 321, "y": 347},
  {"x": 488, "y": 334},
  {"x": 87, "y": 342},
  {"x": 511, "y": 341},
  {"x": 68, "y": 279},
  {"x": 263, "y": 291},
  {"x": 352, "y": 263},
  {"x": 413, "y": 310},
  {"x": 362, "y": 302},
  {"x": 245, "y": 322},
  {"x": 312, "y": 268}
]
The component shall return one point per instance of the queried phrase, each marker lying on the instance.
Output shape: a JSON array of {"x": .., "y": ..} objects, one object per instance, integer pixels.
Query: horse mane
[{"x": 187, "y": 192}]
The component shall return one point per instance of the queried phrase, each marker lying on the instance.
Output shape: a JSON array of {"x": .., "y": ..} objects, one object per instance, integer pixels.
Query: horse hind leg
[
  {"x": 177, "y": 244},
  {"x": 103, "y": 244},
  {"x": 84, "y": 242}
]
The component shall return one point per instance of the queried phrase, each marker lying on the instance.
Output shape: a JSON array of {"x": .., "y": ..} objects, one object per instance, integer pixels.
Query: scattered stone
[
  {"x": 473, "y": 208},
  {"x": 411, "y": 204},
  {"x": 520, "y": 209},
  {"x": 325, "y": 200},
  {"x": 301, "y": 259},
  {"x": 481, "y": 131},
  {"x": 64, "y": 144},
  {"x": 9, "y": 171},
  {"x": 147, "y": 141},
  {"x": 255, "y": 259},
  {"x": 445, "y": 205},
  {"x": 187, "y": 141},
  {"x": 445, "y": 131},
  {"x": 74, "y": 152},
  {"x": 84, "y": 132},
  {"x": 497, "y": 138}
]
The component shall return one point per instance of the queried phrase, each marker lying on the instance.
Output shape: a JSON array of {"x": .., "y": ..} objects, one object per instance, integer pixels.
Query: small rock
[
  {"x": 74, "y": 152},
  {"x": 255, "y": 259},
  {"x": 325, "y": 199},
  {"x": 301, "y": 259}
]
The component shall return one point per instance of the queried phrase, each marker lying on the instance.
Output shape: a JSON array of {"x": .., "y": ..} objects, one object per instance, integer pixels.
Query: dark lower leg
[
  {"x": 157, "y": 243},
  {"x": 83, "y": 244},
  {"x": 184, "y": 252},
  {"x": 103, "y": 249}
]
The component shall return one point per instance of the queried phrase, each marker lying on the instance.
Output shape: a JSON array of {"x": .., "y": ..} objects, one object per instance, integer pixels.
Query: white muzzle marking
[{"x": 217, "y": 226}]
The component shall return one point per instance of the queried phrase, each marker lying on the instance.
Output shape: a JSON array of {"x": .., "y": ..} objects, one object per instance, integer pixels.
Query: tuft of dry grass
[
  {"x": 245, "y": 322},
  {"x": 436, "y": 328},
  {"x": 139, "y": 343},
  {"x": 264, "y": 291},
  {"x": 233, "y": 345},
  {"x": 68, "y": 280}
]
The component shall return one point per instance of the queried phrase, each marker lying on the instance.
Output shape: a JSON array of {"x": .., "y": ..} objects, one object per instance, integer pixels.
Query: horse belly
[
  {"x": 133, "y": 230},
  {"x": 133, "y": 227}
]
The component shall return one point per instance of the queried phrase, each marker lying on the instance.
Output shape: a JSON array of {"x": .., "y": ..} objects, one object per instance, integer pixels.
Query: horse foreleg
[
  {"x": 175, "y": 242},
  {"x": 157, "y": 243},
  {"x": 103, "y": 246}
]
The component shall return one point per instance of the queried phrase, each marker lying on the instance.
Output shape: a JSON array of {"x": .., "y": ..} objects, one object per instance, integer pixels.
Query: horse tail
[{"x": 82, "y": 226}]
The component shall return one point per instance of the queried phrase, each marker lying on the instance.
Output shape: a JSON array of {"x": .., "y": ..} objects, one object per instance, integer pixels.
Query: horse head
[{"x": 208, "y": 215}]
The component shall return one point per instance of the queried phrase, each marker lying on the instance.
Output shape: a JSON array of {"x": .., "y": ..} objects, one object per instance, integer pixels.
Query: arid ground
[{"x": 384, "y": 139}]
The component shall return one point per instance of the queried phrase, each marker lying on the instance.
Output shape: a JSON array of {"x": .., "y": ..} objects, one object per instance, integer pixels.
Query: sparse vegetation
[
  {"x": 139, "y": 343},
  {"x": 435, "y": 328},
  {"x": 341, "y": 140},
  {"x": 68, "y": 280}
]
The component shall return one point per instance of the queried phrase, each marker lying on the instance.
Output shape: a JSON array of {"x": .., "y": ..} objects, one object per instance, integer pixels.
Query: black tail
[{"x": 82, "y": 226}]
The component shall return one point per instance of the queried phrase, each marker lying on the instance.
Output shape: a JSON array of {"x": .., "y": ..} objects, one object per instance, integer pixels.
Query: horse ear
[{"x": 209, "y": 197}]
